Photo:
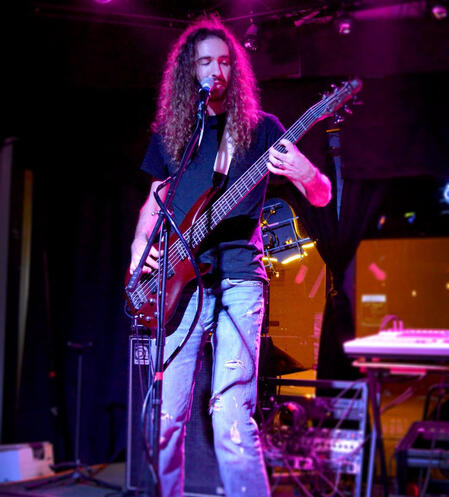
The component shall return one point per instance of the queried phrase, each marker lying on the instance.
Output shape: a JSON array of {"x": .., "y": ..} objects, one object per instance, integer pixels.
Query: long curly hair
[{"x": 175, "y": 116}]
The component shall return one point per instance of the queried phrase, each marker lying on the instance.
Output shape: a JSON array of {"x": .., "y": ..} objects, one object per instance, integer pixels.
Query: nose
[{"x": 216, "y": 69}]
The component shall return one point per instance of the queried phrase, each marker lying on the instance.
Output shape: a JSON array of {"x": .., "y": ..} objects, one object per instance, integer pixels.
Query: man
[{"x": 233, "y": 302}]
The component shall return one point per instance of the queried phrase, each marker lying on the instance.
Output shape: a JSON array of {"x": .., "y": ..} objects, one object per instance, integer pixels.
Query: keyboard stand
[{"x": 374, "y": 369}]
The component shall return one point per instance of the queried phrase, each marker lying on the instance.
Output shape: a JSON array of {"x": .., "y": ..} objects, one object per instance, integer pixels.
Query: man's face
[{"x": 212, "y": 59}]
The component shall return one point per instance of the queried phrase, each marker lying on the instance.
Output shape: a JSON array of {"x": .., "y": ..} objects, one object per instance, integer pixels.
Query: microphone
[{"x": 206, "y": 86}]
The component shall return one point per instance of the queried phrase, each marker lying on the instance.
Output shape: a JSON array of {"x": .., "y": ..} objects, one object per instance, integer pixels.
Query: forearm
[
  {"x": 148, "y": 214},
  {"x": 315, "y": 186},
  {"x": 145, "y": 226},
  {"x": 295, "y": 166}
]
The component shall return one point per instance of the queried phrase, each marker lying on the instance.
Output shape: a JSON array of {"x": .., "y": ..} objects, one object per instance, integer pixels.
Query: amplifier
[
  {"x": 201, "y": 470},
  {"x": 139, "y": 379}
]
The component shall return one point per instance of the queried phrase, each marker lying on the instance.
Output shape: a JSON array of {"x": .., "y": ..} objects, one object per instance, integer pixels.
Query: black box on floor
[{"x": 201, "y": 470}]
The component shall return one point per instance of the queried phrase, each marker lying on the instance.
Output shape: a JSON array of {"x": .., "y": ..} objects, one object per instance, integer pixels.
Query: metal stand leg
[
  {"x": 372, "y": 387},
  {"x": 81, "y": 472}
]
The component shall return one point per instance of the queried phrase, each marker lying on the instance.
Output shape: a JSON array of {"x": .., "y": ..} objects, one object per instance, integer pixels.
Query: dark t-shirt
[{"x": 234, "y": 247}]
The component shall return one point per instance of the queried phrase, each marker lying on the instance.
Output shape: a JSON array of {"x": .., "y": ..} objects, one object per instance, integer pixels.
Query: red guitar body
[{"x": 142, "y": 301}]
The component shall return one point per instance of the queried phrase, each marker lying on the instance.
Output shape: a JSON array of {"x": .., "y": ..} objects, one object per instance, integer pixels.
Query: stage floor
[{"x": 113, "y": 474}]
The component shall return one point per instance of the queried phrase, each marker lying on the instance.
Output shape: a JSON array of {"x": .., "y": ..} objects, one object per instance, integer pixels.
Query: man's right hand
[{"x": 137, "y": 248}]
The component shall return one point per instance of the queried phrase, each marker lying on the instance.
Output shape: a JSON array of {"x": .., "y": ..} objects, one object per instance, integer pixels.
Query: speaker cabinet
[
  {"x": 138, "y": 382},
  {"x": 201, "y": 470}
]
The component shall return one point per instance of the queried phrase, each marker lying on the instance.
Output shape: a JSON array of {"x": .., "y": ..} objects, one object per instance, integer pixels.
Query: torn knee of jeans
[
  {"x": 235, "y": 433},
  {"x": 165, "y": 416},
  {"x": 215, "y": 403},
  {"x": 234, "y": 364}
]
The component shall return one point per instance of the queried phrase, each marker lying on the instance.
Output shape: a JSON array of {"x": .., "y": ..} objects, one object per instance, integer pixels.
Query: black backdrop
[{"x": 84, "y": 136}]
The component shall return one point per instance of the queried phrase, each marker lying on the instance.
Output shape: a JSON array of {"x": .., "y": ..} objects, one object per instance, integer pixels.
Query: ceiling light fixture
[
  {"x": 251, "y": 42},
  {"x": 344, "y": 24}
]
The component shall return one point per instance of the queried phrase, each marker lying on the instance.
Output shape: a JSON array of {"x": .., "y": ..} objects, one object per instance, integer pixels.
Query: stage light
[
  {"x": 439, "y": 11},
  {"x": 410, "y": 216},
  {"x": 251, "y": 42},
  {"x": 269, "y": 259},
  {"x": 446, "y": 193},
  {"x": 104, "y": 2},
  {"x": 344, "y": 24},
  {"x": 308, "y": 245},
  {"x": 294, "y": 258}
]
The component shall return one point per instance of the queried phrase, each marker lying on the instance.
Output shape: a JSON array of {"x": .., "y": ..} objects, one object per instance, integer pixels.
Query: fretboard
[{"x": 243, "y": 186}]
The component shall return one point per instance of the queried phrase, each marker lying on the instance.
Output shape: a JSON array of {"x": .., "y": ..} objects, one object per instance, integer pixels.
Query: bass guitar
[{"x": 204, "y": 216}]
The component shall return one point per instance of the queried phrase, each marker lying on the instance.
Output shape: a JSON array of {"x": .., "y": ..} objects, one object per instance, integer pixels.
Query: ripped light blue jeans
[{"x": 233, "y": 311}]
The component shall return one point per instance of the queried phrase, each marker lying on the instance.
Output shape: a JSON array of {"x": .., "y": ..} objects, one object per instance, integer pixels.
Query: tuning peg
[
  {"x": 338, "y": 118},
  {"x": 325, "y": 95},
  {"x": 347, "y": 109}
]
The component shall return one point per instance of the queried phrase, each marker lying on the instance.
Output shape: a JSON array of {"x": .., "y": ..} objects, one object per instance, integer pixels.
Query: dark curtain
[
  {"x": 337, "y": 241},
  {"x": 88, "y": 189},
  {"x": 360, "y": 201}
]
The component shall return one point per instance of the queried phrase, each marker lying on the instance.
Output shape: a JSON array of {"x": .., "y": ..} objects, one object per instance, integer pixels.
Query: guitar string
[
  {"x": 303, "y": 124},
  {"x": 308, "y": 118}
]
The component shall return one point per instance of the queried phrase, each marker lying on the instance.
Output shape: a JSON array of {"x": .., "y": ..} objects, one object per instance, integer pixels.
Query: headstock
[{"x": 338, "y": 98}]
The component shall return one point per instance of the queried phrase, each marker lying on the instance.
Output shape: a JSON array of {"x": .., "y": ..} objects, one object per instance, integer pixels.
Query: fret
[{"x": 240, "y": 189}]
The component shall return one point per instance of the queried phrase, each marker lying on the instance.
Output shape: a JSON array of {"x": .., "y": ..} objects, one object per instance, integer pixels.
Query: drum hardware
[{"x": 281, "y": 235}]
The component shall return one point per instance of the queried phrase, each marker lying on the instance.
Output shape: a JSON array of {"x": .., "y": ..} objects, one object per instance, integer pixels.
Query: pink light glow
[
  {"x": 300, "y": 277},
  {"x": 317, "y": 283},
  {"x": 378, "y": 273}
]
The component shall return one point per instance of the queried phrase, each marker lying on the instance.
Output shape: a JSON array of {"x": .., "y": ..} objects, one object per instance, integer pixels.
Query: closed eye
[{"x": 204, "y": 61}]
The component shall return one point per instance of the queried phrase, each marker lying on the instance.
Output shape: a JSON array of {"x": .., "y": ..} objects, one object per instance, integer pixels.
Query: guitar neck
[
  {"x": 243, "y": 186},
  {"x": 221, "y": 207}
]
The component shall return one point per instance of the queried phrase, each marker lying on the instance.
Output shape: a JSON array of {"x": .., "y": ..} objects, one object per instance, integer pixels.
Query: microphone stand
[{"x": 164, "y": 224}]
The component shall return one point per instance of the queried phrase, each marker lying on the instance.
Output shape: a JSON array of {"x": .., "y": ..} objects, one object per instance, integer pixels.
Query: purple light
[
  {"x": 344, "y": 27},
  {"x": 104, "y": 2},
  {"x": 439, "y": 11}
]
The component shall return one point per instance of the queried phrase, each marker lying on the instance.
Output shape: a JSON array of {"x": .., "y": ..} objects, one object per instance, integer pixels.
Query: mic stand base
[{"x": 81, "y": 473}]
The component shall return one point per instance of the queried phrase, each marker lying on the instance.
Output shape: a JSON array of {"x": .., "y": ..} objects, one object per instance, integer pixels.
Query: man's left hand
[{"x": 292, "y": 164}]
